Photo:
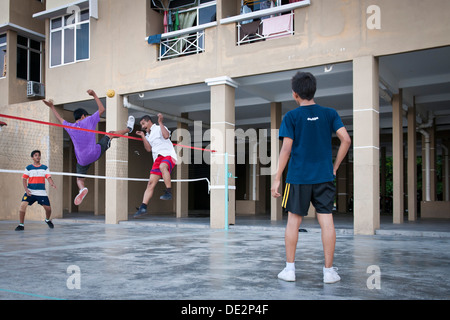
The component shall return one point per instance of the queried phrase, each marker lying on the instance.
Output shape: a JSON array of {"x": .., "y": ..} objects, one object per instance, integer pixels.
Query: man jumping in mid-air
[
  {"x": 87, "y": 149},
  {"x": 156, "y": 139}
]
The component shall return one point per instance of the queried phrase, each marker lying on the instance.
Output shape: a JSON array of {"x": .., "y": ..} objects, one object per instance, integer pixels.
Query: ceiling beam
[{"x": 425, "y": 81}]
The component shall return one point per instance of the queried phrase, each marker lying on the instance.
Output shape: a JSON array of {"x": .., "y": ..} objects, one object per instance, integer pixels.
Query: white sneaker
[
  {"x": 330, "y": 275},
  {"x": 130, "y": 123},
  {"x": 79, "y": 198},
  {"x": 287, "y": 275}
]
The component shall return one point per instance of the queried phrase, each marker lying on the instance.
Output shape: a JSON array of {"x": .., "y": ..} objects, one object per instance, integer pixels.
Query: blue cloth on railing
[{"x": 154, "y": 39}]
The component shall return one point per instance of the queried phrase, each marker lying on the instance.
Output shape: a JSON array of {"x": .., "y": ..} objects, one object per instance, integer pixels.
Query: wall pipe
[
  {"x": 421, "y": 128},
  {"x": 427, "y": 164},
  {"x": 129, "y": 105},
  {"x": 446, "y": 178}
]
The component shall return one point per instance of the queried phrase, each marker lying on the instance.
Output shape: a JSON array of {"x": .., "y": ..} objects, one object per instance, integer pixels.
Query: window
[
  {"x": 2, "y": 55},
  {"x": 29, "y": 57},
  {"x": 255, "y": 5},
  {"x": 69, "y": 38},
  {"x": 206, "y": 11},
  {"x": 197, "y": 13}
]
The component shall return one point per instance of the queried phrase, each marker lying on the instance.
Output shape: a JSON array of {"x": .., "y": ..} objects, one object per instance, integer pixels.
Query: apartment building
[{"x": 220, "y": 70}]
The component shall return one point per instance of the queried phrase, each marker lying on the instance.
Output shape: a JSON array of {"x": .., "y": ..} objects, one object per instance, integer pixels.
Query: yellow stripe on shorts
[{"x": 286, "y": 195}]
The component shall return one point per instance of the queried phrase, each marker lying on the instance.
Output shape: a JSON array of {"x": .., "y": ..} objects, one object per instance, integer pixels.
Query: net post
[{"x": 226, "y": 191}]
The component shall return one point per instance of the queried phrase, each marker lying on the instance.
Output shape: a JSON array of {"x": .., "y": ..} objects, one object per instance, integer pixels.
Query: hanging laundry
[
  {"x": 166, "y": 28},
  {"x": 277, "y": 26},
  {"x": 177, "y": 22},
  {"x": 246, "y": 9},
  {"x": 266, "y": 4},
  {"x": 169, "y": 20}
]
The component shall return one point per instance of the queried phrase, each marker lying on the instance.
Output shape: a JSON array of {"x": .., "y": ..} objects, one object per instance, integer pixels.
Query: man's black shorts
[
  {"x": 104, "y": 143},
  {"x": 42, "y": 200},
  {"x": 297, "y": 197}
]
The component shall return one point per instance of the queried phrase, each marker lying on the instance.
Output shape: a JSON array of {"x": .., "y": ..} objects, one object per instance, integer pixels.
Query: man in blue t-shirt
[{"x": 306, "y": 133}]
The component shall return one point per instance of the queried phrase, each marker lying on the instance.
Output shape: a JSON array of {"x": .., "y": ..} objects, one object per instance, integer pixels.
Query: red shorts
[{"x": 159, "y": 161}]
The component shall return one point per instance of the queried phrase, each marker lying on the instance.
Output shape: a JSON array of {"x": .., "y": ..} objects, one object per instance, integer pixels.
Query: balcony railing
[
  {"x": 183, "y": 45},
  {"x": 269, "y": 28},
  {"x": 183, "y": 42},
  {"x": 265, "y": 24}
]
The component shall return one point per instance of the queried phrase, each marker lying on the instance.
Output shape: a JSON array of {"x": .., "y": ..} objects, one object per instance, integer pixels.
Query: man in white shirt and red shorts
[{"x": 156, "y": 139}]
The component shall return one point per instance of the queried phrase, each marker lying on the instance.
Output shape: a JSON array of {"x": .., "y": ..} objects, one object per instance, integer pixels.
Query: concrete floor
[{"x": 164, "y": 258}]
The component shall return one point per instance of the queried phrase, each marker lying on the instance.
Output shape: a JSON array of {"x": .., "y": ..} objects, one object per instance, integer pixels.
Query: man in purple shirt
[{"x": 87, "y": 149}]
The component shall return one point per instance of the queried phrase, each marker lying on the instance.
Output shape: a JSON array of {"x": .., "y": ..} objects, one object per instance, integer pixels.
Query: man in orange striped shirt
[{"x": 34, "y": 185}]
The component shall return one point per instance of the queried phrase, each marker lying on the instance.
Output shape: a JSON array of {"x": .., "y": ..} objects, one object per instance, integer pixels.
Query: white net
[{"x": 20, "y": 136}]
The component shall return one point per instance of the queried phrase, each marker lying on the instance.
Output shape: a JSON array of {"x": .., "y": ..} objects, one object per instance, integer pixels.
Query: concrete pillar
[
  {"x": 182, "y": 172},
  {"x": 222, "y": 141},
  {"x": 276, "y": 211},
  {"x": 99, "y": 184},
  {"x": 383, "y": 179},
  {"x": 342, "y": 186},
  {"x": 366, "y": 145},
  {"x": 116, "y": 191},
  {"x": 55, "y": 163},
  {"x": 412, "y": 164},
  {"x": 445, "y": 169},
  {"x": 433, "y": 157},
  {"x": 253, "y": 170},
  {"x": 350, "y": 181},
  {"x": 70, "y": 186},
  {"x": 424, "y": 165},
  {"x": 397, "y": 158}
]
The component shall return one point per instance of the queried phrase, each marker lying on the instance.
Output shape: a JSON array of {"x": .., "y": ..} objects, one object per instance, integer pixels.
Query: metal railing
[
  {"x": 182, "y": 45},
  {"x": 264, "y": 29},
  {"x": 267, "y": 23}
]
